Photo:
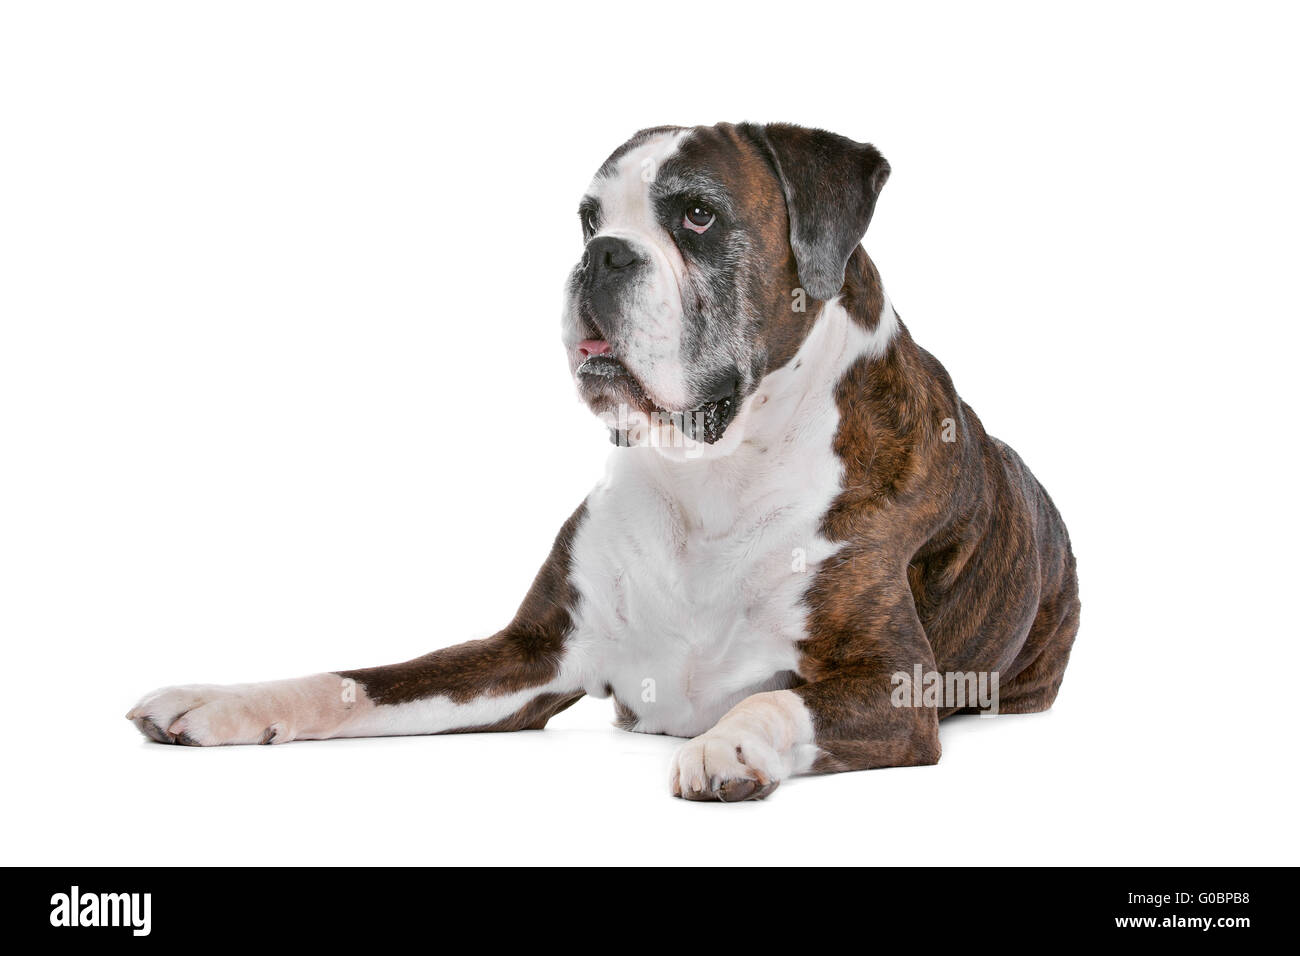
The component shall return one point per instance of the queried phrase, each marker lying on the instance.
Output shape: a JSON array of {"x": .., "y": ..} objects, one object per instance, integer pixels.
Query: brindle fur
[{"x": 953, "y": 557}]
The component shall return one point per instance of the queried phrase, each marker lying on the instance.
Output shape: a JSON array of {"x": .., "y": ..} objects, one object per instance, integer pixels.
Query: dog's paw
[
  {"x": 727, "y": 767},
  {"x": 206, "y": 715}
]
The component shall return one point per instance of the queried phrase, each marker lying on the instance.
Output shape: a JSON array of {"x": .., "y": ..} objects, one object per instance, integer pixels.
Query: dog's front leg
[
  {"x": 515, "y": 680},
  {"x": 824, "y": 727},
  {"x": 846, "y": 717}
]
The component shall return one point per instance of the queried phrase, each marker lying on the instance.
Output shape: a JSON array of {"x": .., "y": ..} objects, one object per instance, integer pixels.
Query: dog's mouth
[
  {"x": 602, "y": 378},
  {"x": 606, "y": 384}
]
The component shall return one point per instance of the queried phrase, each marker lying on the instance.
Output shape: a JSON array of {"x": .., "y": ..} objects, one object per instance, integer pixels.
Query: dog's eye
[{"x": 698, "y": 217}]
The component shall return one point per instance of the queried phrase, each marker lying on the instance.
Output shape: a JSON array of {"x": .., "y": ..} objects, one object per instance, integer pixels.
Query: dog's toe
[
  {"x": 204, "y": 716},
  {"x": 719, "y": 767},
  {"x": 148, "y": 727}
]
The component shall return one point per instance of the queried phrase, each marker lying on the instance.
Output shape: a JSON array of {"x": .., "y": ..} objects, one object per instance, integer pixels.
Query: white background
[{"x": 281, "y": 391}]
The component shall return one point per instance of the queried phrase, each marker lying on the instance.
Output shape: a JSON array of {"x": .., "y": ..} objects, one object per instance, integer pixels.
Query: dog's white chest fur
[{"x": 691, "y": 571}]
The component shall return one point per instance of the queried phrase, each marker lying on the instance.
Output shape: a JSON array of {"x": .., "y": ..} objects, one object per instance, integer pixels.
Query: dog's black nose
[{"x": 609, "y": 252}]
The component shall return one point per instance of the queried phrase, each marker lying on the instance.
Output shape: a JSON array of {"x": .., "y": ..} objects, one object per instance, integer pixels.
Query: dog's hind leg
[
  {"x": 1035, "y": 676},
  {"x": 1034, "y": 687}
]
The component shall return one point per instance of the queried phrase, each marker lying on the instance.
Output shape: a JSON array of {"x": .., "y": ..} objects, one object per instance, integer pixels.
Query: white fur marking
[
  {"x": 651, "y": 346},
  {"x": 691, "y": 572}
]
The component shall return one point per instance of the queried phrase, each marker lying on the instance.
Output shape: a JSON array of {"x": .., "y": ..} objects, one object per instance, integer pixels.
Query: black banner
[{"x": 936, "y": 907}]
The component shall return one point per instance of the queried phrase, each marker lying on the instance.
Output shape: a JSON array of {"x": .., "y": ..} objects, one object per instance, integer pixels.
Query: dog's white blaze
[
  {"x": 650, "y": 346},
  {"x": 691, "y": 573}
]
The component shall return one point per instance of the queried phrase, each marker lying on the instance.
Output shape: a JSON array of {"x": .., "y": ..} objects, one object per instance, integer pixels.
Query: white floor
[{"x": 1069, "y": 786}]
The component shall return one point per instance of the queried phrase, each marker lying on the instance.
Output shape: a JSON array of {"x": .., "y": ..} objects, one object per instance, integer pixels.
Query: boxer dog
[{"x": 800, "y": 513}]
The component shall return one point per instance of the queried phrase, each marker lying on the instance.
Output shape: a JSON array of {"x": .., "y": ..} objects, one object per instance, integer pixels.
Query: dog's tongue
[{"x": 589, "y": 347}]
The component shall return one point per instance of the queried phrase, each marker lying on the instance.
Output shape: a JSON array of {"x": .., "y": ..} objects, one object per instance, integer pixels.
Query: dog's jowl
[{"x": 798, "y": 515}]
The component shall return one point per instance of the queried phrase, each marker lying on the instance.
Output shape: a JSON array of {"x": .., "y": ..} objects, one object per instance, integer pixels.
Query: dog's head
[{"x": 708, "y": 252}]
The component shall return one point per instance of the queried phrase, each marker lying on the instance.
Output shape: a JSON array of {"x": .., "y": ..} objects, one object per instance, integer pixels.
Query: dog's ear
[{"x": 831, "y": 184}]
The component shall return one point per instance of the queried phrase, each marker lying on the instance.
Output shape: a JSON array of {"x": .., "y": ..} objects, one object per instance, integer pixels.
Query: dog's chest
[
  {"x": 692, "y": 575},
  {"x": 680, "y": 621}
]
